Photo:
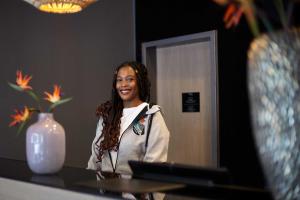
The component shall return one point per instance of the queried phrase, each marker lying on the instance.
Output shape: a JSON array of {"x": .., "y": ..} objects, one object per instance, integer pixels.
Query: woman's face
[{"x": 127, "y": 87}]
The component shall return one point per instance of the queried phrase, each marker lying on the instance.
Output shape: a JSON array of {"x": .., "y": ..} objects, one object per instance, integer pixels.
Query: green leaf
[
  {"x": 59, "y": 103},
  {"x": 16, "y": 87}
]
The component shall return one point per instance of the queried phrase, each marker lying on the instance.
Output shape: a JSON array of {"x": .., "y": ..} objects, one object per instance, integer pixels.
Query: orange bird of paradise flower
[
  {"x": 55, "y": 96},
  {"x": 20, "y": 116},
  {"x": 232, "y": 15},
  {"x": 23, "y": 82},
  {"x": 233, "y": 12}
]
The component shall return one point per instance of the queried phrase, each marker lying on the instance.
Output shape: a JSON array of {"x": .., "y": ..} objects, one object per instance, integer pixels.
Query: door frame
[{"x": 149, "y": 59}]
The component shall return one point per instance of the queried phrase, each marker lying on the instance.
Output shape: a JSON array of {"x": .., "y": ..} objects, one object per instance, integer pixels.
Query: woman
[{"x": 128, "y": 128}]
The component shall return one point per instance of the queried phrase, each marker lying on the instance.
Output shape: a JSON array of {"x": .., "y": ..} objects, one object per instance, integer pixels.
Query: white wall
[{"x": 18, "y": 190}]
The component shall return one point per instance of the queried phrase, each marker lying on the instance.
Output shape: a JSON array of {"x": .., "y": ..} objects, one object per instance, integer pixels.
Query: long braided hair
[{"x": 111, "y": 111}]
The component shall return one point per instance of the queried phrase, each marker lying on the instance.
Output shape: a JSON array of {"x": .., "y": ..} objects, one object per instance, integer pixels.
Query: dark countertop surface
[{"x": 69, "y": 178}]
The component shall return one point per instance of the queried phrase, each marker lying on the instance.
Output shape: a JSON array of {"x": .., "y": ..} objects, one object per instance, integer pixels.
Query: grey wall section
[{"x": 77, "y": 51}]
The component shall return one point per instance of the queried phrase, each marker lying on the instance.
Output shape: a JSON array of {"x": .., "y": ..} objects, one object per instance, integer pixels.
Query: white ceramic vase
[{"x": 45, "y": 145}]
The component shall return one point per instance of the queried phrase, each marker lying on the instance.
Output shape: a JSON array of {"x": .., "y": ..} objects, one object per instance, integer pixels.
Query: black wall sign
[{"x": 191, "y": 102}]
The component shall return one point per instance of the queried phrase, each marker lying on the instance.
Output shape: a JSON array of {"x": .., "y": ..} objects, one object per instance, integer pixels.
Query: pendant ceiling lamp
[{"x": 60, "y": 6}]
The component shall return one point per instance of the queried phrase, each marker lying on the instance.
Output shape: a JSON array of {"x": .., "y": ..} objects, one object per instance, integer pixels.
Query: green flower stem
[
  {"x": 29, "y": 92},
  {"x": 35, "y": 97},
  {"x": 280, "y": 9},
  {"x": 21, "y": 127},
  {"x": 250, "y": 16},
  {"x": 289, "y": 12},
  {"x": 34, "y": 110},
  {"x": 264, "y": 20}
]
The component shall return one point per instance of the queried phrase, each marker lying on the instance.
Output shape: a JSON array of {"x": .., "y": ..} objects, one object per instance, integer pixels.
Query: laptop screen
[{"x": 179, "y": 173}]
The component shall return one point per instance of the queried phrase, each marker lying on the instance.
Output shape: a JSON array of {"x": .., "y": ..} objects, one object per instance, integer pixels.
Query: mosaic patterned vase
[
  {"x": 274, "y": 90},
  {"x": 45, "y": 145}
]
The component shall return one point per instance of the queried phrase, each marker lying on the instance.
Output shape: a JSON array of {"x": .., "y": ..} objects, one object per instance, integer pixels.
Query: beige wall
[{"x": 77, "y": 51}]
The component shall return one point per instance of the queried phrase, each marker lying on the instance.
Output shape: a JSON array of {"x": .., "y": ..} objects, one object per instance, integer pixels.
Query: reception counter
[{"x": 17, "y": 182}]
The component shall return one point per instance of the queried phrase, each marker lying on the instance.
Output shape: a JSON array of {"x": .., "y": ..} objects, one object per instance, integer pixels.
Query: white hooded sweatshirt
[{"x": 132, "y": 141}]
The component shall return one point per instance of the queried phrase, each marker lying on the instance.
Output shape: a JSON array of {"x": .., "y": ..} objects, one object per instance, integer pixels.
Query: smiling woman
[{"x": 124, "y": 129}]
